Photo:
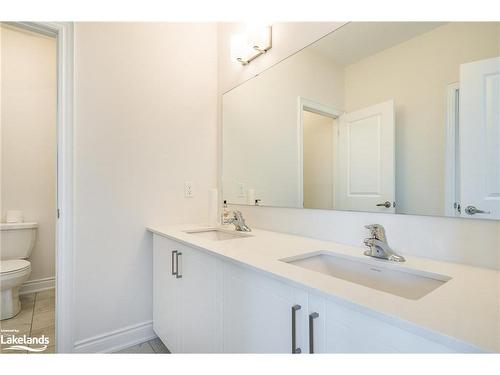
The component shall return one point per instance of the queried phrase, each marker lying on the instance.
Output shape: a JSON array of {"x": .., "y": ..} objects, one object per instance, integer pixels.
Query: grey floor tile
[
  {"x": 22, "y": 321},
  {"x": 27, "y": 298},
  {"x": 51, "y": 293},
  {"x": 158, "y": 346},
  {"x": 42, "y": 320},
  {"x": 49, "y": 332},
  {"x": 4, "y": 347},
  {"x": 142, "y": 348},
  {"x": 45, "y": 305}
]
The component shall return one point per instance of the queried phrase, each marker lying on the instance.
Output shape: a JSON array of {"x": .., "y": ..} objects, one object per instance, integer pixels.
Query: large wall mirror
[{"x": 395, "y": 117}]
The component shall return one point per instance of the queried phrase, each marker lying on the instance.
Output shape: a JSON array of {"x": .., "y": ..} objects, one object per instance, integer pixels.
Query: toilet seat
[{"x": 9, "y": 267}]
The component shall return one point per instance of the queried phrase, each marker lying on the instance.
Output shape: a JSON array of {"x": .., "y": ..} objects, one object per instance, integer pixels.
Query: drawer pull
[
  {"x": 174, "y": 253},
  {"x": 178, "y": 273},
  {"x": 295, "y": 350},
  {"x": 312, "y": 316}
]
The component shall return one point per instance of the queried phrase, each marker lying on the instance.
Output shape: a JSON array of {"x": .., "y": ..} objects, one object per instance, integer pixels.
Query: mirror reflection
[{"x": 399, "y": 117}]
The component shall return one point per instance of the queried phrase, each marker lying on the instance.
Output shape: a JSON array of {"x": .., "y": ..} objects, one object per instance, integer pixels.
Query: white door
[
  {"x": 165, "y": 294},
  {"x": 258, "y": 314},
  {"x": 366, "y": 159},
  {"x": 480, "y": 138},
  {"x": 200, "y": 302}
]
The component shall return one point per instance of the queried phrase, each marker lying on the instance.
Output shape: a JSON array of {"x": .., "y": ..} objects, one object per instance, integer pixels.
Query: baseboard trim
[
  {"x": 32, "y": 286},
  {"x": 116, "y": 340}
]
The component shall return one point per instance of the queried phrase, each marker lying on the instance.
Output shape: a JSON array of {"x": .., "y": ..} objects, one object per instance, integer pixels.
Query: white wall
[
  {"x": 460, "y": 240},
  {"x": 28, "y": 135},
  {"x": 145, "y": 121}
]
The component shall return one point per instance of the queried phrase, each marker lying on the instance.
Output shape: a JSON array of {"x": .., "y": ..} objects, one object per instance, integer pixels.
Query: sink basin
[
  {"x": 217, "y": 234},
  {"x": 389, "y": 278}
]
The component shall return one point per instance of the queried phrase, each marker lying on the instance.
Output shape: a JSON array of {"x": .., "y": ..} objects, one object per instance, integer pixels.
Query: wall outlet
[
  {"x": 241, "y": 190},
  {"x": 188, "y": 189}
]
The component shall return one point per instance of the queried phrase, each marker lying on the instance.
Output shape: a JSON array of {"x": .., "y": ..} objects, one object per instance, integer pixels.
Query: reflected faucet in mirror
[
  {"x": 239, "y": 222},
  {"x": 378, "y": 246}
]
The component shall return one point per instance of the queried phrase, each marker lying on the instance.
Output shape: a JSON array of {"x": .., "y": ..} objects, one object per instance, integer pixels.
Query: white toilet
[{"x": 17, "y": 242}]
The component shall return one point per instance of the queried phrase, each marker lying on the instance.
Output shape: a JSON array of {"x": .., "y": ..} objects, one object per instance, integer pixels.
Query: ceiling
[{"x": 357, "y": 40}]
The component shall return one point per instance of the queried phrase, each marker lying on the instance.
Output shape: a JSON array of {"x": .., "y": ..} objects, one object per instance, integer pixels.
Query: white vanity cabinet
[
  {"x": 341, "y": 329},
  {"x": 262, "y": 315},
  {"x": 213, "y": 305},
  {"x": 187, "y": 287}
]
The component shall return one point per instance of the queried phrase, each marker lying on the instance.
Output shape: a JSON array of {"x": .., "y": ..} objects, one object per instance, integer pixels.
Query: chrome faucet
[
  {"x": 378, "y": 246},
  {"x": 239, "y": 222}
]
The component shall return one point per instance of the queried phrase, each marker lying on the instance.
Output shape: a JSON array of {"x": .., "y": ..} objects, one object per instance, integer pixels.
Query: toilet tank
[{"x": 17, "y": 240}]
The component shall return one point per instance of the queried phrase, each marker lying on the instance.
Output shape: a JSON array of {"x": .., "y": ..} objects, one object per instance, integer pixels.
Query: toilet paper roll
[
  {"x": 251, "y": 197},
  {"x": 213, "y": 207},
  {"x": 14, "y": 216}
]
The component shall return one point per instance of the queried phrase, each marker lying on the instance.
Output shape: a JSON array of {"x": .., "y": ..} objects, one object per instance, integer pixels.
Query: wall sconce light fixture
[{"x": 255, "y": 42}]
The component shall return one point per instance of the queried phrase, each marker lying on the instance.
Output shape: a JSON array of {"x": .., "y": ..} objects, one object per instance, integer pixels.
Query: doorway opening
[
  {"x": 29, "y": 185},
  {"x": 37, "y": 132}
]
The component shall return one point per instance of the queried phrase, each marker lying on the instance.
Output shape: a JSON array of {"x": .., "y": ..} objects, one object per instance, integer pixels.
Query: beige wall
[
  {"x": 145, "y": 121},
  {"x": 318, "y": 150},
  {"x": 415, "y": 74},
  {"x": 28, "y": 136}
]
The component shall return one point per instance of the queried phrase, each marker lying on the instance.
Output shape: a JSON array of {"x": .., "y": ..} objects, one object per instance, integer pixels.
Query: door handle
[
  {"x": 386, "y": 204},
  {"x": 471, "y": 210},
  {"x": 174, "y": 254},
  {"x": 312, "y": 316},
  {"x": 295, "y": 350},
  {"x": 178, "y": 273}
]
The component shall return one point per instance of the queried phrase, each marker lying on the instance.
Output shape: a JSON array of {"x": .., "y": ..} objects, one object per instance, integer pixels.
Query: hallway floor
[
  {"x": 36, "y": 318},
  {"x": 151, "y": 346}
]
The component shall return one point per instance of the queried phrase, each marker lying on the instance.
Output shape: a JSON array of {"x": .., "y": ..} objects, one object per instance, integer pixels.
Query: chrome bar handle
[
  {"x": 174, "y": 253},
  {"x": 312, "y": 316},
  {"x": 471, "y": 210},
  {"x": 179, "y": 269},
  {"x": 295, "y": 350}
]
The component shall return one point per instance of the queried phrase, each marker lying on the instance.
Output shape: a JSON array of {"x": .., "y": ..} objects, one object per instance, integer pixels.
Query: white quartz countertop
[{"x": 465, "y": 308}]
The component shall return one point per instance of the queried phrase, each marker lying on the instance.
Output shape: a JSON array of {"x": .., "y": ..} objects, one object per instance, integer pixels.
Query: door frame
[
  {"x": 304, "y": 104},
  {"x": 64, "y": 34},
  {"x": 452, "y": 158}
]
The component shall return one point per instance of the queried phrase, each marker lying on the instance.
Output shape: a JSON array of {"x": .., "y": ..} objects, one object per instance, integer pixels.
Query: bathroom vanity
[{"x": 222, "y": 291}]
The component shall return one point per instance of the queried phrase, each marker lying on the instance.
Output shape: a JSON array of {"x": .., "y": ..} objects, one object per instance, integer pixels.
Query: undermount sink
[
  {"x": 217, "y": 234},
  {"x": 402, "y": 282}
]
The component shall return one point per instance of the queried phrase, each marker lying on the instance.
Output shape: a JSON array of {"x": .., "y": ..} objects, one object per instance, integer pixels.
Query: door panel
[
  {"x": 366, "y": 159},
  {"x": 480, "y": 137},
  {"x": 257, "y": 313},
  {"x": 201, "y": 308},
  {"x": 165, "y": 294}
]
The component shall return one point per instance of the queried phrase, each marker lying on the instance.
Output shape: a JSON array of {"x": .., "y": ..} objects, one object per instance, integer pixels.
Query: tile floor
[
  {"x": 36, "y": 318},
  {"x": 151, "y": 346}
]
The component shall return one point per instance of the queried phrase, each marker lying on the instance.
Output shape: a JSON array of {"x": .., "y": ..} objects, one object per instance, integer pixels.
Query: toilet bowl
[
  {"x": 13, "y": 273},
  {"x": 17, "y": 242}
]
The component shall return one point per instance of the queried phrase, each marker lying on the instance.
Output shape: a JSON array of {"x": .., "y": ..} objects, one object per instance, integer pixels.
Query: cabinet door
[
  {"x": 200, "y": 302},
  {"x": 165, "y": 294},
  {"x": 258, "y": 313},
  {"x": 350, "y": 331}
]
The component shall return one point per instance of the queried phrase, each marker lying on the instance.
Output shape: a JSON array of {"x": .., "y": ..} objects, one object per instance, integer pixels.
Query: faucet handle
[{"x": 376, "y": 231}]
